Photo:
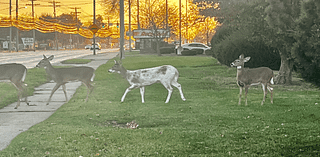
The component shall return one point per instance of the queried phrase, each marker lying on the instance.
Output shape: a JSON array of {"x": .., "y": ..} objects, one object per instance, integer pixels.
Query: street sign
[
  {"x": 27, "y": 41},
  {"x": 149, "y": 34},
  {"x": 94, "y": 28}
]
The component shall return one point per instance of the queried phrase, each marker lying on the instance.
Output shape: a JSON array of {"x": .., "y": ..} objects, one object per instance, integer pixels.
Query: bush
[
  {"x": 188, "y": 53},
  {"x": 241, "y": 42},
  {"x": 167, "y": 50}
]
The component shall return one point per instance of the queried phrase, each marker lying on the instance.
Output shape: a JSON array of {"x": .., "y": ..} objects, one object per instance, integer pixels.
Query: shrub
[
  {"x": 188, "y": 53},
  {"x": 240, "y": 42},
  {"x": 167, "y": 50}
]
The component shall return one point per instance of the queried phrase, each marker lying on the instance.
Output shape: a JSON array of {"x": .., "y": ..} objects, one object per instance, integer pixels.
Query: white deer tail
[
  {"x": 92, "y": 77},
  {"x": 24, "y": 75},
  {"x": 271, "y": 81}
]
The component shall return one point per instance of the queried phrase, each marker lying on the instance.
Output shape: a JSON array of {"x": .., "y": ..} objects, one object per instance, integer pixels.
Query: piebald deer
[
  {"x": 167, "y": 75},
  {"x": 64, "y": 75},
  {"x": 247, "y": 77},
  {"x": 16, "y": 73}
]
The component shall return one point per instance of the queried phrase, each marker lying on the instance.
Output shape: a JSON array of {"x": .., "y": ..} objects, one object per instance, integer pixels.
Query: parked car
[
  {"x": 87, "y": 47},
  {"x": 97, "y": 46},
  {"x": 198, "y": 47}
]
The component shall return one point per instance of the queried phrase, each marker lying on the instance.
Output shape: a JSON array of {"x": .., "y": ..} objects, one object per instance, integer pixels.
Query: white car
[
  {"x": 87, "y": 47},
  {"x": 199, "y": 47},
  {"x": 96, "y": 46}
]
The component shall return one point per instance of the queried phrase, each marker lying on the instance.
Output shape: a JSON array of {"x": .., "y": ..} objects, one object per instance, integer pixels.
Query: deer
[
  {"x": 248, "y": 77},
  {"x": 61, "y": 76},
  {"x": 167, "y": 75},
  {"x": 16, "y": 74}
]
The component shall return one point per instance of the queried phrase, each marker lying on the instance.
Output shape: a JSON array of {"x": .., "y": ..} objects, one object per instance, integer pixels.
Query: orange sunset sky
[{"x": 85, "y": 7}]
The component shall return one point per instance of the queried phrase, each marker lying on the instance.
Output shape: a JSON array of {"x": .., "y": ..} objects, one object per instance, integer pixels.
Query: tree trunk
[
  {"x": 158, "y": 46},
  {"x": 285, "y": 73}
]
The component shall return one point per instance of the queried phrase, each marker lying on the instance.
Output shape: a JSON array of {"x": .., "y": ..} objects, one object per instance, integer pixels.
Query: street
[{"x": 30, "y": 59}]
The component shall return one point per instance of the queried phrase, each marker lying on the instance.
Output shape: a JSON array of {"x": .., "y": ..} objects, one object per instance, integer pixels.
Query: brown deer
[
  {"x": 247, "y": 77},
  {"x": 64, "y": 75},
  {"x": 16, "y": 73},
  {"x": 167, "y": 75}
]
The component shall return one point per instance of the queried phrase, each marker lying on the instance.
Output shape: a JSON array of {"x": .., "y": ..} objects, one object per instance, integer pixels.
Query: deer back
[
  {"x": 255, "y": 75},
  {"x": 12, "y": 71},
  {"x": 152, "y": 75},
  {"x": 72, "y": 74}
]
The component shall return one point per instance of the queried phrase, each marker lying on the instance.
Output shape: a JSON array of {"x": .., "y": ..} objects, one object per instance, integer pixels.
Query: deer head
[{"x": 239, "y": 63}]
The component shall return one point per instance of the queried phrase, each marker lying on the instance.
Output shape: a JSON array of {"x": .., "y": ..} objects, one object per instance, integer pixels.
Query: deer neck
[
  {"x": 123, "y": 72},
  {"x": 239, "y": 70},
  {"x": 50, "y": 70}
]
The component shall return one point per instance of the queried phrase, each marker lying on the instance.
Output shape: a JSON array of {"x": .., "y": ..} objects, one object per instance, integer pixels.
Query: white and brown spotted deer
[
  {"x": 64, "y": 75},
  {"x": 167, "y": 75},
  {"x": 16, "y": 73},
  {"x": 247, "y": 77}
]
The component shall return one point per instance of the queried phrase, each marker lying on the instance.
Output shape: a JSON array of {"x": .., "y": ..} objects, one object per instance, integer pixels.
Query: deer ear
[
  {"x": 50, "y": 58},
  {"x": 241, "y": 56},
  {"x": 246, "y": 59},
  {"x": 44, "y": 56},
  {"x": 115, "y": 62}
]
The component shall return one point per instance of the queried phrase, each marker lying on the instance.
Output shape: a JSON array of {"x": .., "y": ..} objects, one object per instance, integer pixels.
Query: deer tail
[
  {"x": 271, "y": 81},
  {"x": 92, "y": 77}
]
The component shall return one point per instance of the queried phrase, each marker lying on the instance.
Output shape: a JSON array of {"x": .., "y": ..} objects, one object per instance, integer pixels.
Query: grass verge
[
  {"x": 209, "y": 123},
  {"x": 76, "y": 61}
]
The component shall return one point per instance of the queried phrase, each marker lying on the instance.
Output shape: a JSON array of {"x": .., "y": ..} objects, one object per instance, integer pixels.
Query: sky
[{"x": 66, "y": 6}]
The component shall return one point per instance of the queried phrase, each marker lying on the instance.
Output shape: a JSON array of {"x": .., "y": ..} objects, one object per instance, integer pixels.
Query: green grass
[
  {"x": 76, "y": 61},
  {"x": 208, "y": 123}
]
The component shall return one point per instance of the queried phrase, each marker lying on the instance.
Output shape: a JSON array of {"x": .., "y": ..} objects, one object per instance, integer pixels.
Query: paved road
[
  {"x": 14, "y": 121},
  {"x": 30, "y": 59}
]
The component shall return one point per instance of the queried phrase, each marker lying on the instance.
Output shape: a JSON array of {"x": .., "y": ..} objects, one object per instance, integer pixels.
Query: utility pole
[
  {"x": 10, "y": 38},
  {"x": 34, "y": 29},
  {"x": 94, "y": 22},
  {"x": 187, "y": 20},
  {"x": 54, "y": 5},
  {"x": 17, "y": 16},
  {"x": 76, "y": 16},
  {"x": 121, "y": 29},
  {"x": 129, "y": 25},
  {"x": 179, "y": 25}
]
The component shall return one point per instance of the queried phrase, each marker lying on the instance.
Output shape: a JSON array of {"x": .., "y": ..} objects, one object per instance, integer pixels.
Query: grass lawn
[{"x": 208, "y": 123}]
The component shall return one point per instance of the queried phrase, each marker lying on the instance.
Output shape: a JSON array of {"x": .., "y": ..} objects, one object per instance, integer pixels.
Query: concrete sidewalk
[{"x": 14, "y": 121}]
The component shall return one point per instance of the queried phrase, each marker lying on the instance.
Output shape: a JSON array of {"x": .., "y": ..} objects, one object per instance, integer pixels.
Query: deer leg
[
  {"x": 89, "y": 87},
  {"x": 177, "y": 85},
  {"x": 271, "y": 92},
  {"x": 19, "y": 91},
  {"x": 240, "y": 95},
  {"x": 246, "y": 89},
  {"x": 264, "y": 88},
  {"x": 65, "y": 91},
  {"x": 170, "y": 89},
  {"x": 53, "y": 90},
  {"x": 142, "y": 94},
  {"x": 127, "y": 90},
  {"x": 19, "y": 97}
]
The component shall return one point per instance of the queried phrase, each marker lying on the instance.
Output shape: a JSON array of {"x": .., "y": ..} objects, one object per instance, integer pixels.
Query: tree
[
  {"x": 306, "y": 49},
  {"x": 281, "y": 17}
]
